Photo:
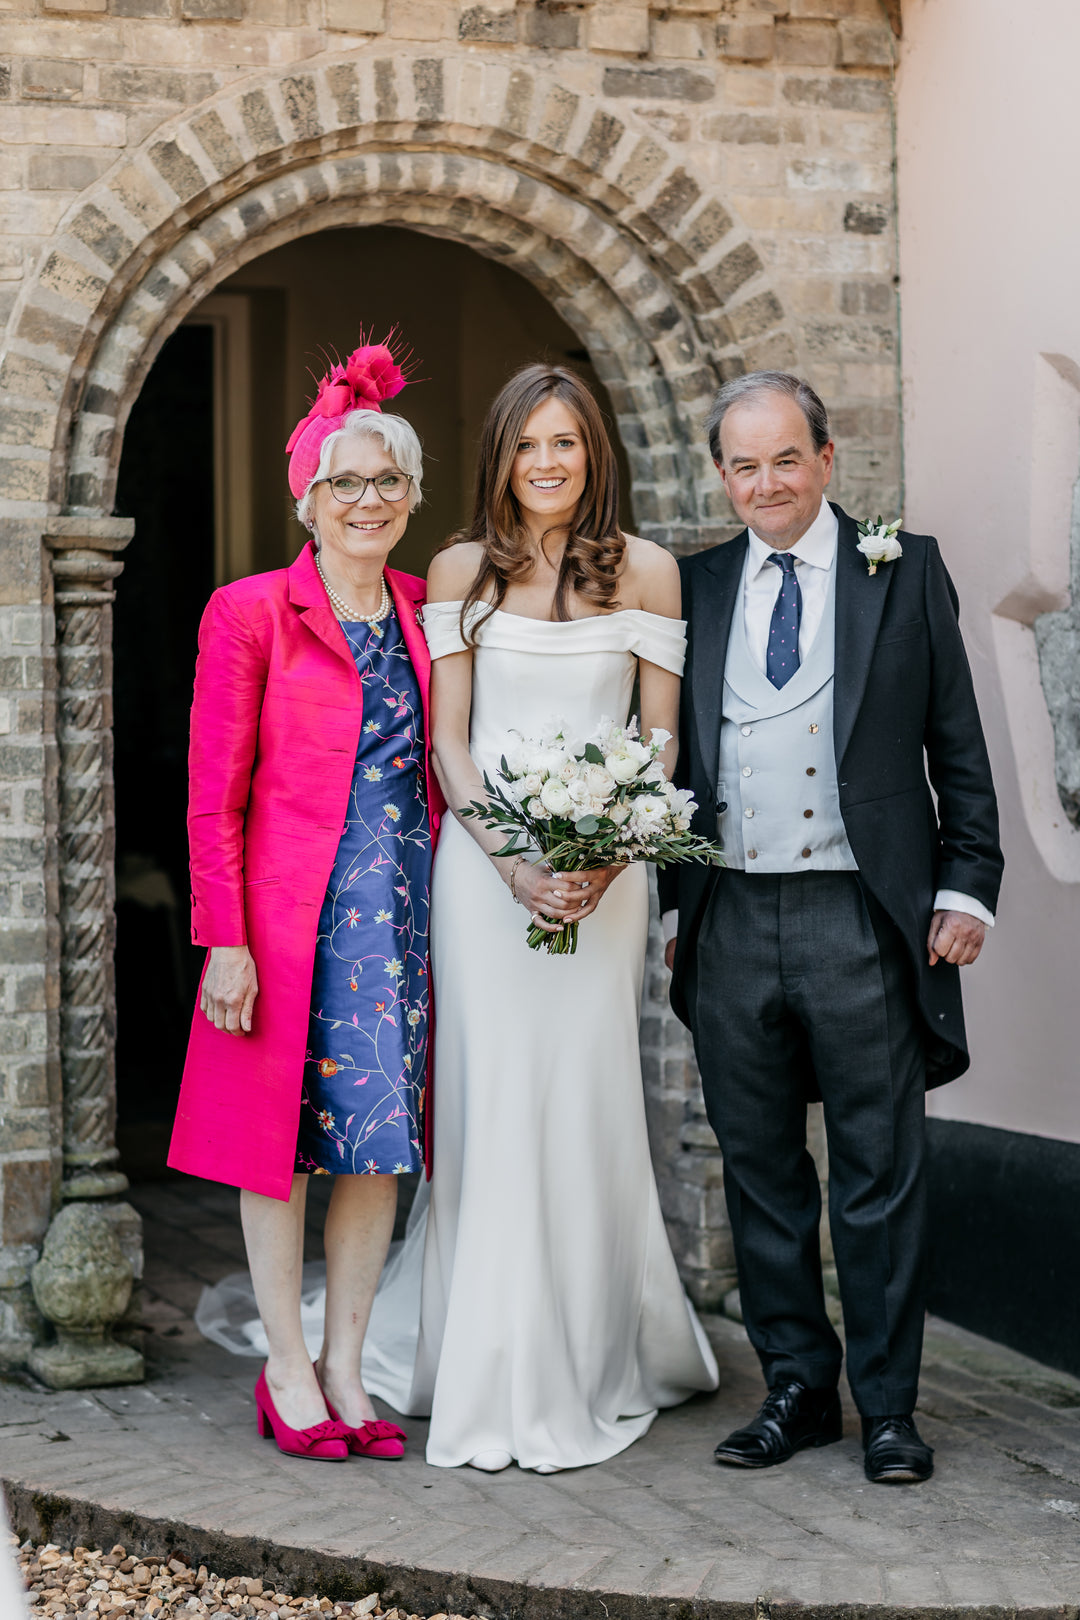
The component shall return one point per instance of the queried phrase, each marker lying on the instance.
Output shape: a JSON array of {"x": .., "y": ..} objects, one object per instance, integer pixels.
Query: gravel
[{"x": 88, "y": 1584}]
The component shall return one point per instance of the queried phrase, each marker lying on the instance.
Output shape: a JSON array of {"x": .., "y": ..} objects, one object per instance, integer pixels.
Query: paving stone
[{"x": 658, "y": 1525}]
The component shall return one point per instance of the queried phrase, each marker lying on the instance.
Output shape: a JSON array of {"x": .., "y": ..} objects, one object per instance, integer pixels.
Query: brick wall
[{"x": 700, "y": 187}]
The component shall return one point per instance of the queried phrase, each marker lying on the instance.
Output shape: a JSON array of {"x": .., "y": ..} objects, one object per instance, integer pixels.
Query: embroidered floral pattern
[{"x": 364, "y": 1078}]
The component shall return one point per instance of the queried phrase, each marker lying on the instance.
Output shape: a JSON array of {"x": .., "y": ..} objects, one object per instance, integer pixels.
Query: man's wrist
[{"x": 954, "y": 900}]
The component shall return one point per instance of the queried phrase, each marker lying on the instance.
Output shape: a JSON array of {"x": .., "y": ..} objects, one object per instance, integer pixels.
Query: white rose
[
  {"x": 600, "y": 782},
  {"x": 554, "y": 795},
  {"x": 532, "y": 783},
  {"x": 597, "y": 807},
  {"x": 881, "y": 547},
  {"x": 619, "y": 814},
  {"x": 577, "y": 790},
  {"x": 622, "y": 767},
  {"x": 538, "y": 809},
  {"x": 682, "y": 824},
  {"x": 569, "y": 770}
]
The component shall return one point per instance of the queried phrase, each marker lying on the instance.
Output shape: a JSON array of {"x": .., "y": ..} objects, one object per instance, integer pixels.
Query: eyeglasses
[{"x": 348, "y": 488}]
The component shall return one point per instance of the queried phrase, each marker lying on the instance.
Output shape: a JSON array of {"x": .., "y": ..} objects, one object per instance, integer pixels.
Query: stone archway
[{"x": 665, "y": 290}]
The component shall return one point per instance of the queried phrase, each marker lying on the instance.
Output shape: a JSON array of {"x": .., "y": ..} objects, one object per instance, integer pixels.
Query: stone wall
[{"x": 699, "y": 188}]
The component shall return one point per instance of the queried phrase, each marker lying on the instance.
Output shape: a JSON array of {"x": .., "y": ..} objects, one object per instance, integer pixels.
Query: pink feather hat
[{"x": 370, "y": 375}]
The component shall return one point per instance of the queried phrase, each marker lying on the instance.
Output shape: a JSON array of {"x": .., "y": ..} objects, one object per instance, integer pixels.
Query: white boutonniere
[{"x": 879, "y": 543}]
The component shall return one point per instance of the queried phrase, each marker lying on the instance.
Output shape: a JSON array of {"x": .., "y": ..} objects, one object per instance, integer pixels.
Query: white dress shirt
[{"x": 814, "y": 554}]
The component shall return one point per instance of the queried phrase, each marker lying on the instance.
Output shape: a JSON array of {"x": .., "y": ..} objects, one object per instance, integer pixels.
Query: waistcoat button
[{"x": 808, "y": 814}]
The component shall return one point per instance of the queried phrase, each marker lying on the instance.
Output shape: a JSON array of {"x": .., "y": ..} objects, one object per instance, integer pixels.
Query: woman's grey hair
[
  {"x": 397, "y": 437},
  {"x": 752, "y": 386}
]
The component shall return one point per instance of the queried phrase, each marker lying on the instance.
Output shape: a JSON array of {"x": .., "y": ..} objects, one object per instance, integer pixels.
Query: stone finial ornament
[{"x": 82, "y": 1283}]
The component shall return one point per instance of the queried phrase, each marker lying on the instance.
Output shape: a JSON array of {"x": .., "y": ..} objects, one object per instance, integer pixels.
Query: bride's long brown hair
[{"x": 595, "y": 545}]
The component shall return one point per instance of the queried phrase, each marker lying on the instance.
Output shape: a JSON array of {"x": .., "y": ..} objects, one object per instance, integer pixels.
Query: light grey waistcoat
[{"x": 777, "y": 770}]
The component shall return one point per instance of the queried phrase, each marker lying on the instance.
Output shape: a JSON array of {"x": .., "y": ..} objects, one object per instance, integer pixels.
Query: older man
[{"x": 822, "y": 691}]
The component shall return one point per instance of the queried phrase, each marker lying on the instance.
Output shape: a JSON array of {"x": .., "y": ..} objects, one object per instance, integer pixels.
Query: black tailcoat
[{"x": 903, "y": 710}]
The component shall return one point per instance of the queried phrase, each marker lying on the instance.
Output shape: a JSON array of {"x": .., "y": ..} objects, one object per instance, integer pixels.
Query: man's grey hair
[
  {"x": 752, "y": 386},
  {"x": 397, "y": 437}
]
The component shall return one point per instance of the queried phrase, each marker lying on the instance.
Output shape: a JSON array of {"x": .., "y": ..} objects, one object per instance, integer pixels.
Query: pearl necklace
[{"x": 348, "y": 612}]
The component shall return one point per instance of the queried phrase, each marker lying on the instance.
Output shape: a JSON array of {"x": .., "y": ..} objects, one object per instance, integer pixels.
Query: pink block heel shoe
[
  {"x": 375, "y": 1439},
  {"x": 326, "y": 1442}
]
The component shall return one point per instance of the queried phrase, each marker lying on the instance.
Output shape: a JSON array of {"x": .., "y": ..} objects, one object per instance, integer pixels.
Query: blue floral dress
[{"x": 364, "y": 1074}]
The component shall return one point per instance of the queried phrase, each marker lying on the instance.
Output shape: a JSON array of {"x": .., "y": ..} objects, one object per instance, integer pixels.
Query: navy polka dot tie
[{"x": 782, "y": 653}]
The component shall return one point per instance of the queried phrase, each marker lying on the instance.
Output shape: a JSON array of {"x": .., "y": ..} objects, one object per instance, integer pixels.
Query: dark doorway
[
  {"x": 167, "y": 485},
  {"x": 203, "y": 474}
]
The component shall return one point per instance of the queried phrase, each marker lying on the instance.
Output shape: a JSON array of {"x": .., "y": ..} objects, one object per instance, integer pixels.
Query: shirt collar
[{"x": 816, "y": 547}]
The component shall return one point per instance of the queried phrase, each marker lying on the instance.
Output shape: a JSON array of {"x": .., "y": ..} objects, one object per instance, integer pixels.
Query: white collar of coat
[{"x": 816, "y": 547}]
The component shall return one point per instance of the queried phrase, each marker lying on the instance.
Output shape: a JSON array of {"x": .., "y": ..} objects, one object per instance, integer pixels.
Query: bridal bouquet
[{"x": 582, "y": 803}]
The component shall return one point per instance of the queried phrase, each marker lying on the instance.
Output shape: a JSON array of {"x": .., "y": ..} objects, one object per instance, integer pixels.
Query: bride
[
  {"x": 534, "y": 1309},
  {"x": 552, "y": 1320}
]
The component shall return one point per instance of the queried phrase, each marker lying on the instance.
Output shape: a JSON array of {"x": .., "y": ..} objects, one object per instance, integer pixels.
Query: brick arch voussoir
[
  {"x": 254, "y": 154},
  {"x": 637, "y": 329}
]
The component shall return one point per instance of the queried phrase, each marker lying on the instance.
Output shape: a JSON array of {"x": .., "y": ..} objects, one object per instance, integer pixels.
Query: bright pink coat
[{"x": 275, "y": 726}]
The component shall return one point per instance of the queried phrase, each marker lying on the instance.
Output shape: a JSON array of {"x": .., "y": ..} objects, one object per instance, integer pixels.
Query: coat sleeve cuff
[{"x": 953, "y": 900}]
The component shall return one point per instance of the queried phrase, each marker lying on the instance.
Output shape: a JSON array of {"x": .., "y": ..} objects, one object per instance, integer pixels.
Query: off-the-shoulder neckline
[{"x": 588, "y": 618}]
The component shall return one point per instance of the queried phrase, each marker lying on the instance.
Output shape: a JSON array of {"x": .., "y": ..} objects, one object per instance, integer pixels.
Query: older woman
[{"x": 311, "y": 821}]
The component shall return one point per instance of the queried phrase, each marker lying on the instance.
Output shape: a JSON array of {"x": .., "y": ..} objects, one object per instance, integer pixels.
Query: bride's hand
[{"x": 555, "y": 898}]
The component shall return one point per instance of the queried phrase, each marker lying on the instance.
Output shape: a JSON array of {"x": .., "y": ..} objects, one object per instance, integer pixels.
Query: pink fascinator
[{"x": 371, "y": 374}]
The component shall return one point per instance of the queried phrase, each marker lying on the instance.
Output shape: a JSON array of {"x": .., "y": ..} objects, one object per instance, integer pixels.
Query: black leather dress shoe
[
  {"x": 790, "y": 1418},
  {"x": 895, "y": 1452}
]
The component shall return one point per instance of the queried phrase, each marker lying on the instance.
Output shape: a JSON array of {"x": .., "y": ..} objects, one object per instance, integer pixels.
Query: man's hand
[
  {"x": 229, "y": 988},
  {"x": 669, "y": 953},
  {"x": 955, "y": 937}
]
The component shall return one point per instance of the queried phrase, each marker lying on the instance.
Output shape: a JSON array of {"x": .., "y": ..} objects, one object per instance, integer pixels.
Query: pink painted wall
[{"x": 988, "y": 136}]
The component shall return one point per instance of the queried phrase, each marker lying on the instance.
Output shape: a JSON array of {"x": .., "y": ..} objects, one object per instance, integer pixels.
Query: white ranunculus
[
  {"x": 650, "y": 809},
  {"x": 599, "y": 781},
  {"x": 622, "y": 767},
  {"x": 618, "y": 813},
  {"x": 517, "y": 753},
  {"x": 548, "y": 762},
  {"x": 554, "y": 795},
  {"x": 538, "y": 809}
]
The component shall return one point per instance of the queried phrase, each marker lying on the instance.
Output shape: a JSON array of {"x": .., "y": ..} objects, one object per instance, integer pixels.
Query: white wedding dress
[
  {"x": 552, "y": 1320},
  {"x": 534, "y": 1307}
]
